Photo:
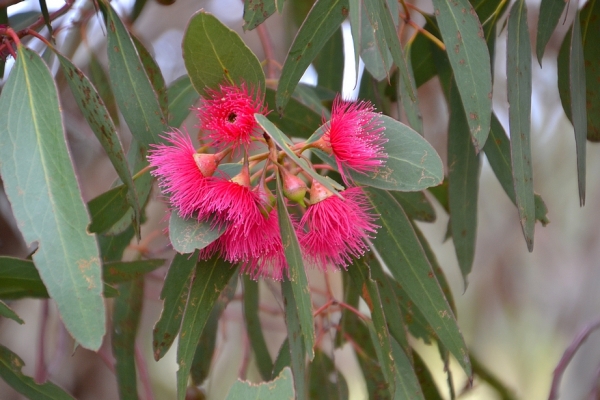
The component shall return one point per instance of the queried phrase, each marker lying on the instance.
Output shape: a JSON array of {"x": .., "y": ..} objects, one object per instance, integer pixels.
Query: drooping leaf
[
  {"x": 468, "y": 54},
  {"x": 411, "y": 107},
  {"x": 412, "y": 164},
  {"x": 550, "y": 12},
  {"x": 282, "y": 141},
  {"x": 254, "y": 329},
  {"x": 281, "y": 388},
  {"x": 463, "y": 185},
  {"x": 407, "y": 382},
  {"x": 42, "y": 188},
  {"x": 93, "y": 109},
  {"x": 174, "y": 295},
  {"x": 206, "y": 345},
  {"x": 497, "y": 151},
  {"x": 416, "y": 205},
  {"x": 182, "y": 96},
  {"x": 210, "y": 279},
  {"x": 325, "y": 381},
  {"x": 10, "y": 371},
  {"x": 297, "y": 281},
  {"x": 99, "y": 79},
  {"x": 421, "y": 57},
  {"x": 7, "y": 312},
  {"x": 124, "y": 271},
  {"x": 351, "y": 297},
  {"x": 126, "y": 318},
  {"x": 214, "y": 54},
  {"x": 518, "y": 67},
  {"x": 402, "y": 253},
  {"x": 322, "y": 21},
  {"x": 298, "y": 120},
  {"x": 359, "y": 272},
  {"x": 132, "y": 87},
  {"x": 283, "y": 358},
  {"x": 19, "y": 278},
  {"x": 296, "y": 347},
  {"x": 257, "y": 11},
  {"x": 113, "y": 247},
  {"x": 329, "y": 63},
  {"x": 430, "y": 389},
  {"x": 187, "y": 235},
  {"x": 154, "y": 74}
]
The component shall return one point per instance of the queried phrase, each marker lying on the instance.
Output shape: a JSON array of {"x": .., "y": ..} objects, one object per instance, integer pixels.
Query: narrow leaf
[
  {"x": 126, "y": 318},
  {"x": 299, "y": 120},
  {"x": 329, "y": 63},
  {"x": 210, "y": 279},
  {"x": 124, "y": 271},
  {"x": 282, "y": 141},
  {"x": 133, "y": 89},
  {"x": 578, "y": 103},
  {"x": 296, "y": 273},
  {"x": 497, "y": 151},
  {"x": 322, "y": 21},
  {"x": 19, "y": 278},
  {"x": 407, "y": 382},
  {"x": 416, "y": 205},
  {"x": 113, "y": 247},
  {"x": 254, "y": 330},
  {"x": 93, "y": 109},
  {"x": 406, "y": 260},
  {"x": 468, "y": 54},
  {"x": 214, "y": 54},
  {"x": 296, "y": 346},
  {"x": 463, "y": 185},
  {"x": 187, "y": 235},
  {"x": 174, "y": 294},
  {"x": 154, "y": 74},
  {"x": 518, "y": 66},
  {"x": 42, "y": 188},
  {"x": 325, "y": 381},
  {"x": 99, "y": 79},
  {"x": 10, "y": 371},
  {"x": 257, "y": 11},
  {"x": 7, "y": 312},
  {"x": 281, "y": 388},
  {"x": 428, "y": 385},
  {"x": 550, "y": 12},
  {"x": 182, "y": 96}
]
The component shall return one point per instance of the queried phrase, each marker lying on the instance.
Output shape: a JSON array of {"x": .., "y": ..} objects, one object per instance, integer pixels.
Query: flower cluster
[{"x": 332, "y": 228}]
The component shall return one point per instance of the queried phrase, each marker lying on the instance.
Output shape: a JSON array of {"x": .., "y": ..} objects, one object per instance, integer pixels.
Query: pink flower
[
  {"x": 354, "y": 137},
  {"x": 181, "y": 172},
  {"x": 227, "y": 115},
  {"x": 337, "y": 229}
]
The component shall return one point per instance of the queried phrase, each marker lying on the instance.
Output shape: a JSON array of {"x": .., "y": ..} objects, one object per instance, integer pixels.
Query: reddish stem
[
  {"x": 41, "y": 373},
  {"x": 143, "y": 372}
]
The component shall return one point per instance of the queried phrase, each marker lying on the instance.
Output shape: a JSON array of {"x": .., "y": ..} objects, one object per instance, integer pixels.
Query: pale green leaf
[
  {"x": 281, "y": 388},
  {"x": 187, "y": 235},
  {"x": 550, "y": 12}
]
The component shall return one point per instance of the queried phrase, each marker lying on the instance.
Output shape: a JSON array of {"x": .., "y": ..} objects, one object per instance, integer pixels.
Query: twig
[
  {"x": 567, "y": 357},
  {"x": 267, "y": 45},
  {"x": 41, "y": 373}
]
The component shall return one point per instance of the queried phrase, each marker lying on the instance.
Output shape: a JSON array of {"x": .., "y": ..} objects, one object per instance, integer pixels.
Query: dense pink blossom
[
  {"x": 178, "y": 172},
  {"x": 227, "y": 115},
  {"x": 337, "y": 229},
  {"x": 354, "y": 137}
]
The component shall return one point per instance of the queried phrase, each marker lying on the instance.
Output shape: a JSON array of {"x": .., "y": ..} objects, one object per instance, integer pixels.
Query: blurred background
[{"x": 518, "y": 314}]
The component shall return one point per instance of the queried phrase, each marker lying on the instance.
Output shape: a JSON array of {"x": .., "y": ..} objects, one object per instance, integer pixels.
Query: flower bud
[
  {"x": 294, "y": 188},
  {"x": 267, "y": 199},
  {"x": 207, "y": 163},
  {"x": 318, "y": 192},
  {"x": 243, "y": 178}
]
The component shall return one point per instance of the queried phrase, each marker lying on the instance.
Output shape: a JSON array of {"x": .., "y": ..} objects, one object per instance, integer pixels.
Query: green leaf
[
  {"x": 408, "y": 386},
  {"x": 42, "y": 189},
  {"x": 282, "y": 141},
  {"x": 210, "y": 279},
  {"x": 578, "y": 103},
  {"x": 518, "y": 68},
  {"x": 325, "y": 381},
  {"x": 351, "y": 297},
  {"x": 329, "y": 63},
  {"x": 359, "y": 272},
  {"x": 19, "y": 278},
  {"x": 7, "y": 312},
  {"x": 182, "y": 97},
  {"x": 297, "y": 275},
  {"x": 421, "y": 57},
  {"x": 415, "y": 205},
  {"x": 10, "y": 371},
  {"x": 550, "y": 12},
  {"x": 299, "y": 120},
  {"x": 426, "y": 381},
  {"x": 126, "y": 318},
  {"x": 257, "y": 11},
  {"x": 281, "y": 388},
  {"x": 402, "y": 253},
  {"x": 174, "y": 293},
  {"x": 463, "y": 185},
  {"x": 411, "y": 107},
  {"x": 213, "y": 54},
  {"x": 206, "y": 345},
  {"x": 93, "y": 109},
  {"x": 412, "y": 163},
  {"x": 100, "y": 80},
  {"x": 124, "y": 271},
  {"x": 113, "y": 247},
  {"x": 187, "y": 235},
  {"x": 254, "y": 330},
  {"x": 468, "y": 54},
  {"x": 132, "y": 87},
  {"x": 154, "y": 74},
  {"x": 497, "y": 151},
  {"x": 322, "y": 21},
  {"x": 283, "y": 358},
  {"x": 296, "y": 346}
]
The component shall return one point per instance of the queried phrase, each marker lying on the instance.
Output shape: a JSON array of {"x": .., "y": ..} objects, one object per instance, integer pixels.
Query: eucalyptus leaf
[
  {"x": 182, "y": 96},
  {"x": 187, "y": 235},
  {"x": 254, "y": 329},
  {"x": 7, "y": 312},
  {"x": 281, "y": 388}
]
